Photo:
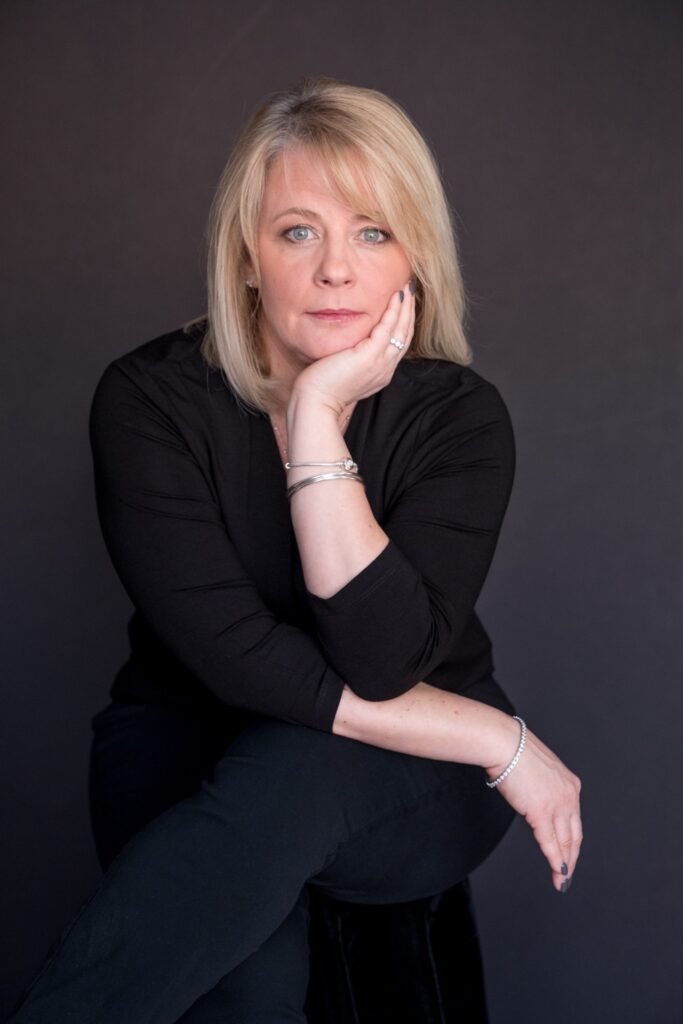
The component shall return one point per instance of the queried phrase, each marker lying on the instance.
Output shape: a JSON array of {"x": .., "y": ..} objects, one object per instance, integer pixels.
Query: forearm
[
  {"x": 337, "y": 534},
  {"x": 429, "y": 722}
]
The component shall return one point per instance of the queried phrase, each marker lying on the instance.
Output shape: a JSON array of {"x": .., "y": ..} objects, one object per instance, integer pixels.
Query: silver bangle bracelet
[
  {"x": 348, "y": 464},
  {"x": 323, "y": 476},
  {"x": 515, "y": 759}
]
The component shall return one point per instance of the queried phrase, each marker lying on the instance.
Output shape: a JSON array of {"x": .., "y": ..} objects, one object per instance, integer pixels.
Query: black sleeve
[
  {"x": 401, "y": 616},
  {"x": 170, "y": 547}
]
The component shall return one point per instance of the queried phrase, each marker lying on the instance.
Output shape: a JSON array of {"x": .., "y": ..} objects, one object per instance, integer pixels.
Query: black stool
[{"x": 402, "y": 963}]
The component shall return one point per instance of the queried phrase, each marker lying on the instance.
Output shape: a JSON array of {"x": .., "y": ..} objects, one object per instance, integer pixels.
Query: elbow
[
  {"x": 384, "y": 678},
  {"x": 394, "y": 662},
  {"x": 378, "y": 686}
]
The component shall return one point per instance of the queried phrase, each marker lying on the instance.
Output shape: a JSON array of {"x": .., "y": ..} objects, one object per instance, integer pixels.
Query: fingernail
[
  {"x": 401, "y": 295},
  {"x": 565, "y": 885},
  {"x": 413, "y": 287},
  {"x": 564, "y": 869}
]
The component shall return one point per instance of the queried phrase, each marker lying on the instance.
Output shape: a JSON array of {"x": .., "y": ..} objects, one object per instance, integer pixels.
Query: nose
[{"x": 335, "y": 265}]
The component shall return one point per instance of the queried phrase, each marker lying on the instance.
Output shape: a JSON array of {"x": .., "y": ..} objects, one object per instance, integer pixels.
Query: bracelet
[
  {"x": 515, "y": 759},
  {"x": 323, "y": 476},
  {"x": 347, "y": 464}
]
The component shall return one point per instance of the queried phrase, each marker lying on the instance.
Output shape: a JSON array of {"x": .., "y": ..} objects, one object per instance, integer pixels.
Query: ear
[{"x": 249, "y": 274}]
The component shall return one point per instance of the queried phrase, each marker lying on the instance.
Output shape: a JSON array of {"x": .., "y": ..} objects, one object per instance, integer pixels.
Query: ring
[{"x": 397, "y": 343}]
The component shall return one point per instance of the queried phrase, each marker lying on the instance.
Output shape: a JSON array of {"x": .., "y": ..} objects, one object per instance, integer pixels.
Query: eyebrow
[{"x": 303, "y": 212}]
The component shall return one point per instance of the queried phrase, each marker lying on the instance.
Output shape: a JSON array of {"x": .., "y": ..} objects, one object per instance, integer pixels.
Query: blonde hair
[{"x": 348, "y": 127}]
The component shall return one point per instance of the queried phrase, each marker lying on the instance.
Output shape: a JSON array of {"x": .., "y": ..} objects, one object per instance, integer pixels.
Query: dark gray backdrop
[{"x": 555, "y": 128}]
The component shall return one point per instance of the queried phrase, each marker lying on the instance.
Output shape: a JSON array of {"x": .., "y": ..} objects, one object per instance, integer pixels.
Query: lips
[{"x": 335, "y": 315}]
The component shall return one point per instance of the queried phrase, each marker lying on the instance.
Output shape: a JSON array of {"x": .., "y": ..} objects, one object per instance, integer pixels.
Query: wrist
[
  {"x": 306, "y": 405},
  {"x": 505, "y": 745}
]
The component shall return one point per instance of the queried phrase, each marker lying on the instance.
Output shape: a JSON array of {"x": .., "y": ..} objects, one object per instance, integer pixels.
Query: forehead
[{"x": 301, "y": 177}]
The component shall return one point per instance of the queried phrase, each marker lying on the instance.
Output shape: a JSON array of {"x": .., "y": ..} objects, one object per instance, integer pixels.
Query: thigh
[
  {"x": 270, "y": 985},
  {"x": 143, "y": 759},
  {"x": 382, "y": 826},
  {"x": 422, "y": 848}
]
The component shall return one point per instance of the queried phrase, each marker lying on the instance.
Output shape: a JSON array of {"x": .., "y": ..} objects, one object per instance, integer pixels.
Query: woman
[{"x": 302, "y": 496}]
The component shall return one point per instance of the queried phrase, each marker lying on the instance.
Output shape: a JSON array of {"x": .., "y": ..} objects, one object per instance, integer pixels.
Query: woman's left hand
[{"x": 354, "y": 373}]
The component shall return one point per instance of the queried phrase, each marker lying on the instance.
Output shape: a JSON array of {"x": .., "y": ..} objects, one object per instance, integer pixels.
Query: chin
[{"x": 336, "y": 342}]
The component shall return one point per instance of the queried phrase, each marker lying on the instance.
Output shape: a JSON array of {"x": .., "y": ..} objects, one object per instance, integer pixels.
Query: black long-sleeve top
[{"x": 191, "y": 499}]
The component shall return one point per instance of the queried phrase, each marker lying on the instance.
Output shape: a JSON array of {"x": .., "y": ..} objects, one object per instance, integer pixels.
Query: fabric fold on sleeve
[
  {"x": 376, "y": 573},
  {"x": 167, "y": 540},
  {"x": 402, "y": 615}
]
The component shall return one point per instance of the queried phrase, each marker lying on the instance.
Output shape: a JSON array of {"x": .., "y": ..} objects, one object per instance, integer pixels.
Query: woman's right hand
[{"x": 546, "y": 793}]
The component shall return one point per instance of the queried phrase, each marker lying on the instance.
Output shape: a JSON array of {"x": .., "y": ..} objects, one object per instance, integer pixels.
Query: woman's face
[{"x": 319, "y": 258}]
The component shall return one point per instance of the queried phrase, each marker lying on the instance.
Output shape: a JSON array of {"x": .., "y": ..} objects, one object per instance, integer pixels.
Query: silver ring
[{"x": 397, "y": 343}]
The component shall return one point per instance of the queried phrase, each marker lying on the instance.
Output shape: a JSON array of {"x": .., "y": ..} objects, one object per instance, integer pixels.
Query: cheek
[
  {"x": 283, "y": 312},
  {"x": 380, "y": 282},
  {"x": 275, "y": 298},
  {"x": 283, "y": 283}
]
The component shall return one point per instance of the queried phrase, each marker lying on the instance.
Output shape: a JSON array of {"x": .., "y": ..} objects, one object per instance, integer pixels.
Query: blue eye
[
  {"x": 376, "y": 231},
  {"x": 302, "y": 233},
  {"x": 294, "y": 235}
]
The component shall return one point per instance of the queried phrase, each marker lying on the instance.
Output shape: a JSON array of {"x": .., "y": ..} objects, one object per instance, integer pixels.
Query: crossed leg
[
  {"x": 269, "y": 986},
  {"x": 203, "y": 888}
]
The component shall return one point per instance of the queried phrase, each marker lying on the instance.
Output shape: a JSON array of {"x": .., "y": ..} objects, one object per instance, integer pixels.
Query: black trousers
[{"x": 211, "y": 842}]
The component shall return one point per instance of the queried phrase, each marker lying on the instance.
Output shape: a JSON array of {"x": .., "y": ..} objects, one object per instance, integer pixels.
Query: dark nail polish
[
  {"x": 401, "y": 295},
  {"x": 564, "y": 869},
  {"x": 565, "y": 885},
  {"x": 413, "y": 287}
]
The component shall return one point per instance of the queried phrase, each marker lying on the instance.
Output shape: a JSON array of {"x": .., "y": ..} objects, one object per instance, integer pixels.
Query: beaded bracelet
[
  {"x": 515, "y": 759},
  {"x": 323, "y": 476}
]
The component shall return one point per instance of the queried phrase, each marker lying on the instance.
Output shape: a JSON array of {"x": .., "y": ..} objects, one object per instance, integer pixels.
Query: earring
[{"x": 250, "y": 284}]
